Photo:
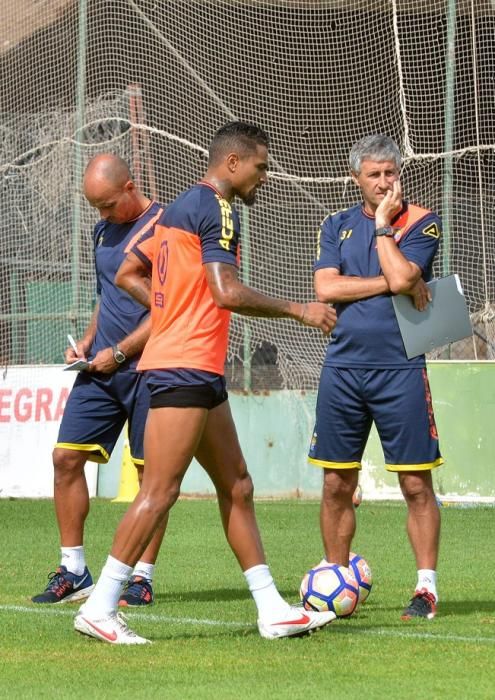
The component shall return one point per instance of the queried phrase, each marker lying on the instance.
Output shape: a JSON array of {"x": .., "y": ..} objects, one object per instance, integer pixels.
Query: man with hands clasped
[{"x": 366, "y": 254}]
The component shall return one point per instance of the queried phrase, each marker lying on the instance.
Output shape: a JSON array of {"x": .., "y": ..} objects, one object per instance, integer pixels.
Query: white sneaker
[
  {"x": 296, "y": 622},
  {"x": 112, "y": 628}
]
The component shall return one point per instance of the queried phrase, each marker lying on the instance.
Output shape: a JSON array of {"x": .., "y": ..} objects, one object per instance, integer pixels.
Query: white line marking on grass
[
  {"x": 151, "y": 617},
  {"x": 186, "y": 620},
  {"x": 131, "y": 615},
  {"x": 419, "y": 635}
]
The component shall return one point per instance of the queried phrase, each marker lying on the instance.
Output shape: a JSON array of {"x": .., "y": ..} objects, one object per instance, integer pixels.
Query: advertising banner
[{"x": 32, "y": 401}]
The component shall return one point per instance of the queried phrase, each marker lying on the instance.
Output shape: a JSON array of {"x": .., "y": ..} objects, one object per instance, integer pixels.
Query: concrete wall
[{"x": 275, "y": 428}]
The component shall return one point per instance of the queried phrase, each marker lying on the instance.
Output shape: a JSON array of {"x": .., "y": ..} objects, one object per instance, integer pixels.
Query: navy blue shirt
[
  {"x": 367, "y": 333},
  {"x": 119, "y": 314}
]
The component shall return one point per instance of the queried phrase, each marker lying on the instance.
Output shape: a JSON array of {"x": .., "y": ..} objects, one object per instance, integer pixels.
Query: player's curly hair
[
  {"x": 377, "y": 147},
  {"x": 236, "y": 136}
]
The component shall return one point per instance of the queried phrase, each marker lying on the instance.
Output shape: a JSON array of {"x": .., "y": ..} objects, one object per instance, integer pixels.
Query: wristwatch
[
  {"x": 118, "y": 355},
  {"x": 385, "y": 231}
]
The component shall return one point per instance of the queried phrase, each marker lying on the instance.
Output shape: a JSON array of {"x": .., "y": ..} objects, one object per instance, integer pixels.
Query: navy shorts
[
  {"x": 97, "y": 409},
  {"x": 186, "y": 388},
  {"x": 398, "y": 401}
]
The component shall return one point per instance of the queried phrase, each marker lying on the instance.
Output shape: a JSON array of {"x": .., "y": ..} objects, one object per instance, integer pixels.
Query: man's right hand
[
  {"x": 71, "y": 356},
  {"x": 319, "y": 315}
]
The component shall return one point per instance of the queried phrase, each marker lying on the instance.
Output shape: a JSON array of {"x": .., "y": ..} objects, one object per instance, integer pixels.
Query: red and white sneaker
[
  {"x": 423, "y": 604},
  {"x": 296, "y": 622},
  {"x": 111, "y": 628}
]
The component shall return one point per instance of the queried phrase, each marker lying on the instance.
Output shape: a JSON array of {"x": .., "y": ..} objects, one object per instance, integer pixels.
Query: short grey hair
[{"x": 376, "y": 147}]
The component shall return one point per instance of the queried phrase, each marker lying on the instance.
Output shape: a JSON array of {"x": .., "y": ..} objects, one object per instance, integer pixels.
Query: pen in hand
[
  {"x": 80, "y": 362},
  {"x": 72, "y": 343}
]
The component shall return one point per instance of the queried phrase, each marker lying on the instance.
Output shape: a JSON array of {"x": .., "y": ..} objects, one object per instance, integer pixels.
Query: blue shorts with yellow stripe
[
  {"x": 398, "y": 401},
  {"x": 97, "y": 409}
]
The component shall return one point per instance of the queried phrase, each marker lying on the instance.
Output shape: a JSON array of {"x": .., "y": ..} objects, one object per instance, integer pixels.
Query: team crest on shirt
[
  {"x": 162, "y": 262},
  {"x": 432, "y": 230}
]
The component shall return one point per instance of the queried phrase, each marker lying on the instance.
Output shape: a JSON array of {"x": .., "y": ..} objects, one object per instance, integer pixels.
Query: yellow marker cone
[{"x": 129, "y": 484}]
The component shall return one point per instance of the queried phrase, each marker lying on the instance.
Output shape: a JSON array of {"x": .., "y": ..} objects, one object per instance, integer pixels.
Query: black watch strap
[{"x": 385, "y": 231}]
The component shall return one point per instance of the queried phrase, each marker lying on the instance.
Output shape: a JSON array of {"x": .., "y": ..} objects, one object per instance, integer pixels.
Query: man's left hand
[
  {"x": 420, "y": 295},
  {"x": 103, "y": 362}
]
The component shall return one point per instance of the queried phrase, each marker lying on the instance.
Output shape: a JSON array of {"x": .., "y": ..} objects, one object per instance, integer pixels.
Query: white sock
[
  {"x": 144, "y": 570},
  {"x": 268, "y": 600},
  {"x": 105, "y": 596},
  {"x": 73, "y": 559},
  {"x": 427, "y": 578}
]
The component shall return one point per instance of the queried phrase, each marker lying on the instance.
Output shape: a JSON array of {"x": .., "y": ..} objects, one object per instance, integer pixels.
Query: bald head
[
  {"x": 108, "y": 186},
  {"x": 107, "y": 168}
]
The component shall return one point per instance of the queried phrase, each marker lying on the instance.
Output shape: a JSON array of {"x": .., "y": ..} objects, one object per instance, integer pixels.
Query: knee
[
  {"x": 243, "y": 491},
  {"x": 339, "y": 486},
  {"x": 239, "y": 490},
  {"x": 67, "y": 464},
  {"x": 417, "y": 488},
  {"x": 155, "y": 501}
]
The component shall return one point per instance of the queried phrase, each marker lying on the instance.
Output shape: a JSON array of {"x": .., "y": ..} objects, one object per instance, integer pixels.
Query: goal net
[{"x": 152, "y": 81}]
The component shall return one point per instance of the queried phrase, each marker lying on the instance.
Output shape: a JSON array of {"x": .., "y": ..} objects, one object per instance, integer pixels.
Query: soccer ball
[
  {"x": 330, "y": 587},
  {"x": 362, "y": 574}
]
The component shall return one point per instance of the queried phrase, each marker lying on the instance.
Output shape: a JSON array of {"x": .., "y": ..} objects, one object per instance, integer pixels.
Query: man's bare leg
[
  {"x": 139, "y": 589},
  {"x": 165, "y": 469},
  {"x": 337, "y": 516},
  {"x": 150, "y": 554},
  {"x": 71, "y": 581},
  {"x": 423, "y": 517},
  {"x": 166, "y": 465},
  {"x": 423, "y": 528},
  {"x": 220, "y": 454},
  {"x": 70, "y": 495}
]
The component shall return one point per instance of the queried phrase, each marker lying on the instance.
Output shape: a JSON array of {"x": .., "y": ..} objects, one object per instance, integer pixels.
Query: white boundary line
[
  {"x": 134, "y": 615},
  {"x": 223, "y": 623},
  {"x": 422, "y": 635}
]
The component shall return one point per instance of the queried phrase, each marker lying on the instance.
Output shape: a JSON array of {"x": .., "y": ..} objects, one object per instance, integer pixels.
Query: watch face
[{"x": 119, "y": 356}]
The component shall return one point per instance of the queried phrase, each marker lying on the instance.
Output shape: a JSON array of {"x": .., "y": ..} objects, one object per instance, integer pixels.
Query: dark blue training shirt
[
  {"x": 119, "y": 313},
  {"x": 367, "y": 333}
]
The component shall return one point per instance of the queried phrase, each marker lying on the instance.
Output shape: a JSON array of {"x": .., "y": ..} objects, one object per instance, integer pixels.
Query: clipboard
[{"x": 445, "y": 320}]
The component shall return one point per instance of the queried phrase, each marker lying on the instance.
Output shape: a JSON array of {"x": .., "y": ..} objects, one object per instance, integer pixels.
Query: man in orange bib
[{"x": 192, "y": 256}]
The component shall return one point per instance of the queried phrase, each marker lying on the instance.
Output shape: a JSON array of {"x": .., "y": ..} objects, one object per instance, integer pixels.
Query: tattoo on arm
[{"x": 229, "y": 292}]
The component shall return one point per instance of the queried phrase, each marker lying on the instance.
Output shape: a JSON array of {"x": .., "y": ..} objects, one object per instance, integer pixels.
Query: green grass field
[{"x": 206, "y": 644}]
